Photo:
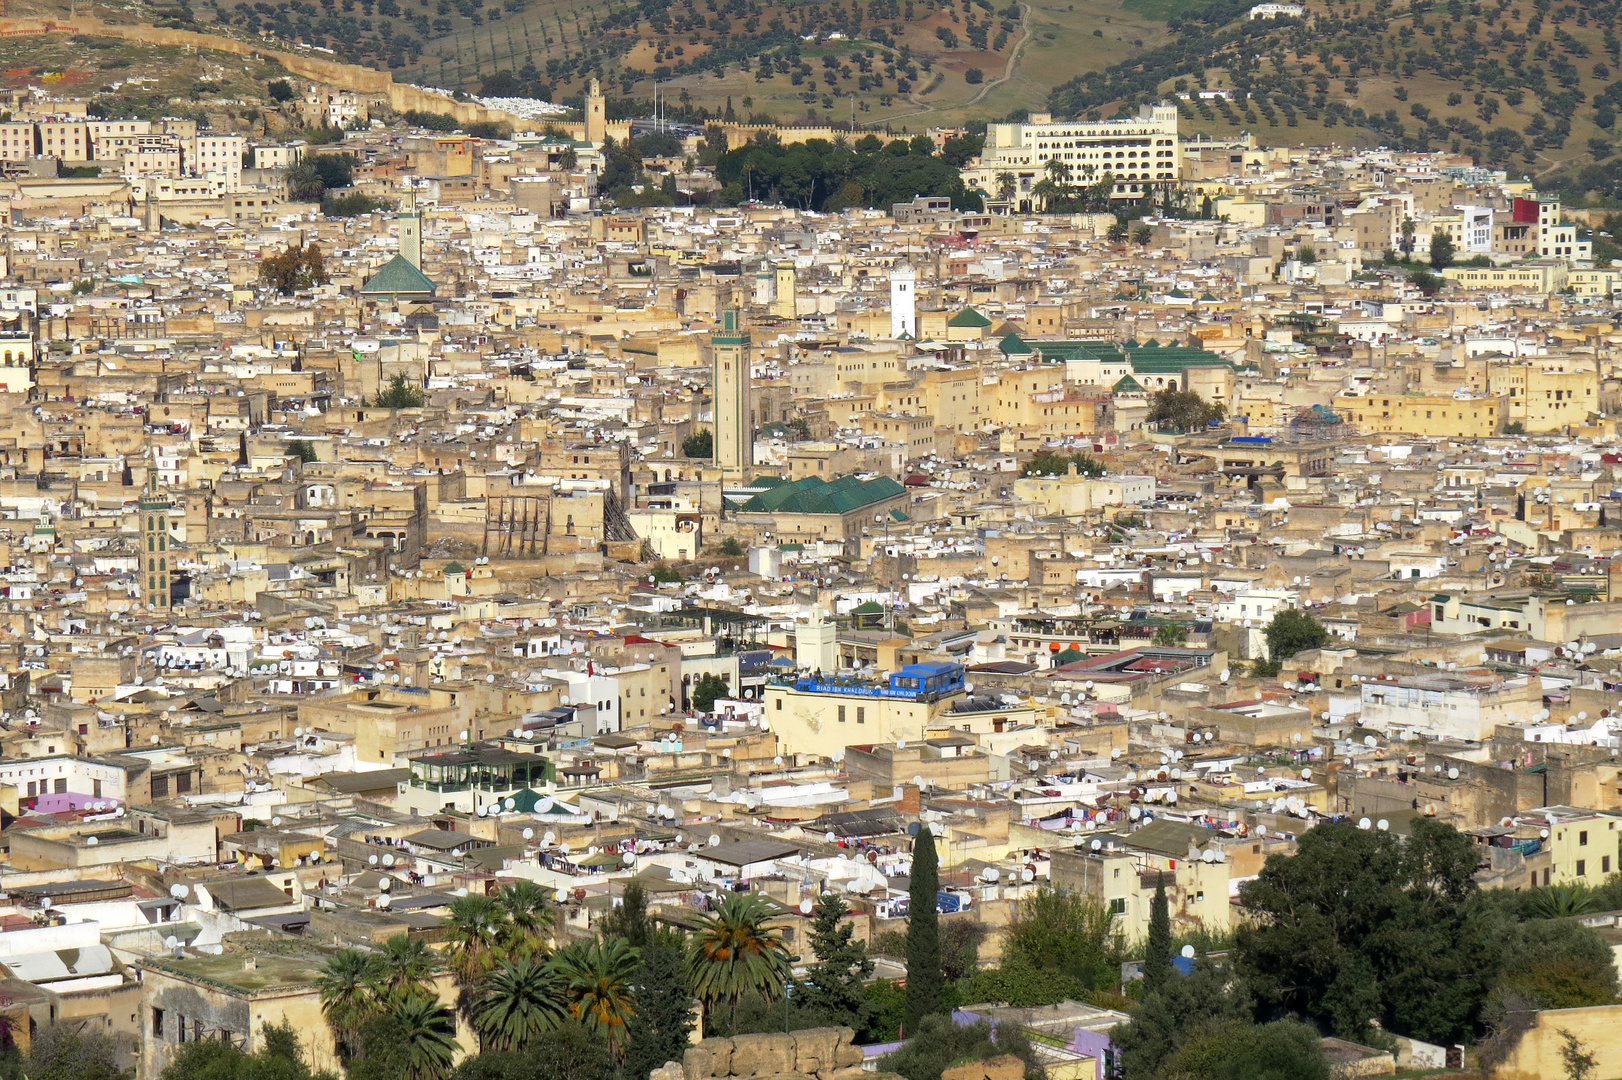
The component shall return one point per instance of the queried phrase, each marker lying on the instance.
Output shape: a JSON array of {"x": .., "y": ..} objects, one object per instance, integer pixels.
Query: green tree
[
  {"x": 1407, "y": 230},
  {"x": 733, "y": 953},
  {"x": 938, "y": 1042},
  {"x": 1239, "y": 1050},
  {"x": 1514, "y": 427},
  {"x": 598, "y": 979},
  {"x": 348, "y": 994},
  {"x": 64, "y": 1050},
  {"x": 280, "y": 90},
  {"x": 732, "y": 547},
  {"x": 924, "y": 976},
  {"x": 1166, "y": 1019},
  {"x": 1116, "y": 232},
  {"x": 1157, "y": 954},
  {"x": 302, "y": 449},
  {"x": 1441, "y": 250},
  {"x": 404, "y": 967},
  {"x": 663, "y": 1023},
  {"x": 630, "y": 919},
  {"x": 570, "y": 1053},
  {"x": 1292, "y": 631},
  {"x": 835, "y": 983},
  {"x": 1182, "y": 410},
  {"x": 1048, "y": 463},
  {"x": 474, "y": 932},
  {"x": 709, "y": 687},
  {"x": 517, "y": 1005},
  {"x": 279, "y": 1058},
  {"x": 1141, "y": 235},
  {"x": 700, "y": 444},
  {"x": 529, "y": 920},
  {"x": 303, "y": 180},
  {"x": 401, "y": 394},
  {"x": 1066, "y": 932},
  {"x": 1363, "y": 923},
  {"x": 1170, "y": 636},
  {"x": 424, "y": 1034}
]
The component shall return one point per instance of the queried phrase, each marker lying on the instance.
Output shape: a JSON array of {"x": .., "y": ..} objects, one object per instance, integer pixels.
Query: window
[
  {"x": 1605, "y": 864},
  {"x": 861, "y": 714},
  {"x": 779, "y": 704},
  {"x": 160, "y": 787},
  {"x": 841, "y": 714},
  {"x": 1117, "y": 906},
  {"x": 1582, "y": 838},
  {"x": 157, "y": 1023},
  {"x": 1582, "y": 867},
  {"x": 60, "y": 785}
]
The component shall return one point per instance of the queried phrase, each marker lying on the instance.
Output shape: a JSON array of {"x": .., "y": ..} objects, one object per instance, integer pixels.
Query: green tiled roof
[
  {"x": 1014, "y": 345},
  {"x": 1126, "y": 384},
  {"x": 970, "y": 318},
  {"x": 813, "y": 495},
  {"x": 869, "y": 608},
  {"x": 398, "y": 277}
]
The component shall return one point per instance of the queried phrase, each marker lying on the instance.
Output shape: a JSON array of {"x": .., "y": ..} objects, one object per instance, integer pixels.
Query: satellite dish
[
  {"x": 170, "y": 942},
  {"x": 385, "y": 885},
  {"x": 829, "y": 838},
  {"x": 1364, "y": 823},
  {"x": 1452, "y": 774},
  {"x": 715, "y": 840},
  {"x": 509, "y": 803},
  {"x": 371, "y": 860},
  {"x": 1027, "y": 874},
  {"x": 560, "y": 896},
  {"x": 456, "y": 853},
  {"x": 1306, "y": 774},
  {"x": 91, "y": 841},
  {"x": 549, "y": 838},
  {"x": 1382, "y": 824},
  {"x": 1188, "y": 952},
  {"x": 1224, "y": 676},
  {"x": 1097, "y": 845},
  {"x": 178, "y": 891},
  {"x": 564, "y": 848},
  {"x": 1370, "y": 740},
  {"x": 275, "y": 821},
  {"x": 1208, "y": 856},
  {"x": 383, "y": 901},
  {"x": 917, "y": 781},
  {"x": 388, "y": 860},
  {"x": 805, "y": 907},
  {"x": 529, "y": 834}
]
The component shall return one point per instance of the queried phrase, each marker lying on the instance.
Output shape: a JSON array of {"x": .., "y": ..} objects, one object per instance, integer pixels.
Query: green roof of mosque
[
  {"x": 1014, "y": 345},
  {"x": 1069, "y": 656},
  {"x": 398, "y": 277},
  {"x": 1126, "y": 384},
  {"x": 1209, "y": 299},
  {"x": 872, "y": 607},
  {"x": 813, "y": 495},
  {"x": 1150, "y": 357},
  {"x": 970, "y": 318}
]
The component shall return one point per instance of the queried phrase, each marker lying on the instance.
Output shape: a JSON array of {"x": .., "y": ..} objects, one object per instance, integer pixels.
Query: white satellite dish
[
  {"x": 178, "y": 891},
  {"x": 388, "y": 860},
  {"x": 275, "y": 821},
  {"x": 1364, "y": 823},
  {"x": 1382, "y": 824},
  {"x": 91, "y": 841},
  {"x": 383, "y": 901},
  {"x": 805, "y": 907},
  {"x": 1306, "y": 774},
  {"x": 1188, "y": 952},
  {"x": 1452, "y": 773},
  {"x": 715, "y": 841},
  {"x": 385, "y": 885},
  {"x": 509, "y": 803},
  {"x": 549, "y": 838},
  {"x": 529, "y": 834},
  {"x": 170, "y": 942},
  {"x": 371, "y": 860},
  {"x": 1097, "y": 845},
  {"x": 1208, "y": 856}
]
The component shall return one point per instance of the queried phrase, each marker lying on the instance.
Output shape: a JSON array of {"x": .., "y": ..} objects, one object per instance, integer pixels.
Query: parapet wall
[{"x": 812, "y": 1054}]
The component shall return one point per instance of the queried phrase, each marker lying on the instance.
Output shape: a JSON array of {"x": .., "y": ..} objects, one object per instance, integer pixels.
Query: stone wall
[{"x": 812, "y": 1054}]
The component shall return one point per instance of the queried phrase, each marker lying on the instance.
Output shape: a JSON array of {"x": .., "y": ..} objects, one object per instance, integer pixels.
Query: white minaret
[{"x": 903, "y": 301}]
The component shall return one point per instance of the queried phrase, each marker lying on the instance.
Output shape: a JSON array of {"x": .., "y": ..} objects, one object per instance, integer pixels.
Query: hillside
[{"x": 1526, "y": 87}]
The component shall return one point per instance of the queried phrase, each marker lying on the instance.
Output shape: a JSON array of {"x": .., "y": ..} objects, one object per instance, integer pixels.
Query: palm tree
[
  {"x": 1058, "y": 171},
  {"x": 348, "y": 989},
  {"x": 597, "y": 978},
  {"x": 517, "y": 1004},
  {"x": 732, "y": 954},
  {"x": 1561, "y": 902},
  {"x": 1006, "y": 183},
  {"x": 1407, "y": 230},
  {"x": 405, "y": 967},
  {"x": 475, "y": 930},
  {"x": 424, "y": 1034},
  {"x": 530, "y": 919}
]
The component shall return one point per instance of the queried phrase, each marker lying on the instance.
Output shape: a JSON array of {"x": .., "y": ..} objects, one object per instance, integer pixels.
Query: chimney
[{"x": 911, "y": 803}]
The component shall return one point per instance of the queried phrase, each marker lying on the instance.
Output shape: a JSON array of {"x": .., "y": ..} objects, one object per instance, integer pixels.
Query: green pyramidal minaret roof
[
  {"x": 1014, "y": 345},
  {"x": 398, "y": 277},
  {"x": 968, "y": 317}
]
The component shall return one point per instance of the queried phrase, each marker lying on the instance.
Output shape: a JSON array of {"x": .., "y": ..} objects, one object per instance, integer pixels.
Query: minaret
[
  {"x": 783, "y": 297},
  {"x": 596, "y": 114},
  {"x": 765, "y": 286},
  {"x": 729, "y": 383},
  {"x": 409, "y": 220},
  {"x": 904, "y": 301},
  {"x": 155, "y": 508}
]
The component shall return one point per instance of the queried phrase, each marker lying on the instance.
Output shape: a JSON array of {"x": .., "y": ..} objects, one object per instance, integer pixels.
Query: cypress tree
[
  {"x": 835, "y": 984},
  {"x": 664, "y": 1016},
  {"x": 1157, "y": 950},
  {"x": 924, "y": 975}
]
